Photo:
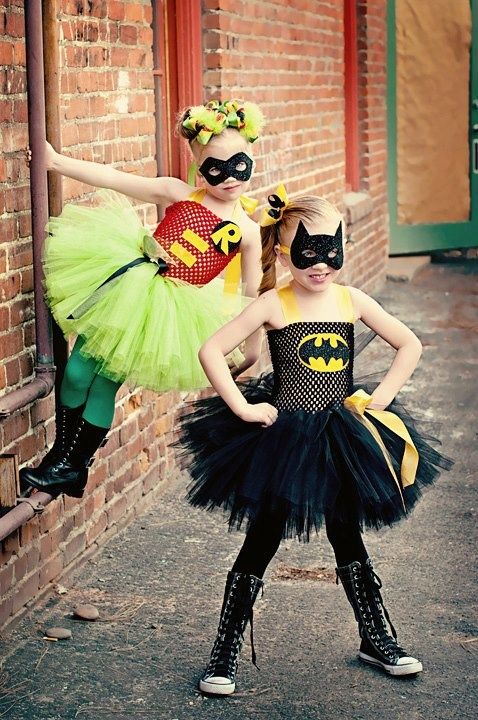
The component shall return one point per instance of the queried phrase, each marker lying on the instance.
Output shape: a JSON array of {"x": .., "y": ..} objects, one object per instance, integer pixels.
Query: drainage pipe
[{"x": 44, "y": 379}]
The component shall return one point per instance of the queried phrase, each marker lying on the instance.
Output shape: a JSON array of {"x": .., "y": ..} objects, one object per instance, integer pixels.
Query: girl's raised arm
[
  {"x": 213, "y": 359},
  {"x": 153, "y": 190},
  {"x": 399, "y": 336},
  {"x": 251, "y": 274}
]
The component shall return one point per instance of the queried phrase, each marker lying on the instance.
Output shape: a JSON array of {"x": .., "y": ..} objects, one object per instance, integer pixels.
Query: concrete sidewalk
[{"x": 158, "y": 585}]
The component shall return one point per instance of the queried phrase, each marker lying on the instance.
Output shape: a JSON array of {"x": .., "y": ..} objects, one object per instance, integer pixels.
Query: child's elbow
[
  {"x": 417, "y": 346},
  {"x": 203, "y": 350}
]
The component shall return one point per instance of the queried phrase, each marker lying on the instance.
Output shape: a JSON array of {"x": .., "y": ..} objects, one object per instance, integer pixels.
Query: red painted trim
[
  {"x": 352, "y": 149},
  {"x": 171, "y": 100},
  {"x": 189, "y": 63},
  {"x": 160, "y": 89},
  {"x": 178, "y": 71}
]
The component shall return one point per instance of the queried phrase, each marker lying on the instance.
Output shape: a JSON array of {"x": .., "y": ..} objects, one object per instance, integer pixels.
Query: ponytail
[{"x": 269, "y": 239}]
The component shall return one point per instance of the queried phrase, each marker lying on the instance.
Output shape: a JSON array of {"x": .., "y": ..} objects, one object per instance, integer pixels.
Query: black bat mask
[
  {"x": 308, "y": 250},
  {"x": 238, "y": 166}
]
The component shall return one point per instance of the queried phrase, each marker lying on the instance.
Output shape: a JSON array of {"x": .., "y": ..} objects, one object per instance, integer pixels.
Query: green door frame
[{"x": 409, "y": 239}]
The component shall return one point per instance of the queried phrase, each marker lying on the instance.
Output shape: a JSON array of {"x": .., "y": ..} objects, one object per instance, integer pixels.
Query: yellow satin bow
[
  {"x": 358, "y": 405},
  {"x": 278, "y": 201}
]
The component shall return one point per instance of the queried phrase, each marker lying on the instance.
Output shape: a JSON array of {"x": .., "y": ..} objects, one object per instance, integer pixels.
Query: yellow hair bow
[
  {"x": 278, "y": 202},
  {"x": 212, "y": 118}
]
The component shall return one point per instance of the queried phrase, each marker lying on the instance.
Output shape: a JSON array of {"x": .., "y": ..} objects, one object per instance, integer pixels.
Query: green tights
[{"x": 83, "y": 385}]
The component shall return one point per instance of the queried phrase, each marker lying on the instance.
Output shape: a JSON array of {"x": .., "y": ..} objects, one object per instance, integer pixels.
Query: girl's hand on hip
[{"x": 262, "y": 413}]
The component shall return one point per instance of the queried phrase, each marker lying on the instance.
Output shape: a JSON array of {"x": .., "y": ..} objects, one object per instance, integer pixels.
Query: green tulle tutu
[{"x": 141, "y": 327}]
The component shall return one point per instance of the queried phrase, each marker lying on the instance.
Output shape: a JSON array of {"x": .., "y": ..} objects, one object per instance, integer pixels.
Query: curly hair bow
[
  {"x": 278, "y": 202},
  {"x": 214, "y": 117}
]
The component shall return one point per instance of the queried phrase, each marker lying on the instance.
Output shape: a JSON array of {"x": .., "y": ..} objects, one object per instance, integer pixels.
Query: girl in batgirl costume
[
  {"x": 142, "y": 305},
  {"x": 285, "y": 452}
]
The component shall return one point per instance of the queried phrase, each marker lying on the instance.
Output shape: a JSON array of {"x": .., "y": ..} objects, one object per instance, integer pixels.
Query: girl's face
[
  {"x": 225, "y": 165},
  {"x": 313, "y": 252}
]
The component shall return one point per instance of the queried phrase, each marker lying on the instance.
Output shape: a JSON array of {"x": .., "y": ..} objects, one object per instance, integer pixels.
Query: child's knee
[{"x": 76, "y": 376}]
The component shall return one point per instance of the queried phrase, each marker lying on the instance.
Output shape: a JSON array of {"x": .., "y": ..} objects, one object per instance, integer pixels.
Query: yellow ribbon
[{"x": 357, "y": 404}]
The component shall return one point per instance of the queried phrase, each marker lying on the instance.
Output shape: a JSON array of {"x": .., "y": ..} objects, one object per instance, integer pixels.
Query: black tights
[{"x": 264, "y": 536}]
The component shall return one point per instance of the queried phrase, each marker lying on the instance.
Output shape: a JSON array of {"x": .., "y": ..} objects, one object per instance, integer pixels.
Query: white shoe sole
[
  {"x": 212, "y": 688},
  {"x": 409, "y": 669}
]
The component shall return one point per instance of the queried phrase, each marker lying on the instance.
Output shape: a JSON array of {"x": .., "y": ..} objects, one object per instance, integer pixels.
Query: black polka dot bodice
[{"x": 312, "y": 364}]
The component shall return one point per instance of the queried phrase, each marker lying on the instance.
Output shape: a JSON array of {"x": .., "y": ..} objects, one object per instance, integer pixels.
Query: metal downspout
[
  {"x": 42, "y": 385},
  {"x": 44, "y": 379}
]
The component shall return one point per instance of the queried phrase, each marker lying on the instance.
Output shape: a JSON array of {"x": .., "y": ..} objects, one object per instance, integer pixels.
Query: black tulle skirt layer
[{"x": 306, "y": 465}]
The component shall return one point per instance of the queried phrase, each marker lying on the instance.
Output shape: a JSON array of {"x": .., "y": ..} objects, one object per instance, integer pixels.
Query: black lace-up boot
[
  {"x": 68, "y": 472},
  {"x": 237, "y": 610},
  {"x": 378, "y": 647},
  {"x": 66, "y": 421}
]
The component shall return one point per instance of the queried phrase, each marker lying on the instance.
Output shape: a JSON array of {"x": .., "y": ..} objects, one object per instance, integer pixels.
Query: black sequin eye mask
[
  {"x": 215, "y": 171},
  {"x": 308, "y": 250}
]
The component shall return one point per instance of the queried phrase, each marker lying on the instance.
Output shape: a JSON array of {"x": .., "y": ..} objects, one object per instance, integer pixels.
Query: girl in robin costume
[
  {"x": 284, "y": 453},
  {"x": 142, "y": 305}
]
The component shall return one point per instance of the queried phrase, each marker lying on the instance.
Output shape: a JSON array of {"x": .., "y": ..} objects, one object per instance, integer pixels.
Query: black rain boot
[
  {"x": 69, "y": 473},
  {"x": 378, "y": 647},
  {"x": 240, "y": 594}
]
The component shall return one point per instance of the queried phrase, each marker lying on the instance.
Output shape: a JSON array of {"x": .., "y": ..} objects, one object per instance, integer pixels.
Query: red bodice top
[{"x": 197, "y": 240}]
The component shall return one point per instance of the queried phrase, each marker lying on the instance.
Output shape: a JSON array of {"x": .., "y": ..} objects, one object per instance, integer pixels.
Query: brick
[
  {"x": 116, "y": 509},
  {"x": 116, "y": 10},
  {"x": 73, "y": 547},
  {"x": 29, "y": 532},
  {"x": 96, "y": 528},
  {"x": 10, "y": 545},
  {"x": 6, "y": 579},
  {"x": 6, "y": 609},
  {"x": 128, "y": 34},
  {"x": 20, "y": 567},
  {"x": 6, "y": 52},
  {"x": 15, "y": 426},
  {"x": 25, "y": 591},
  {"x": 50, "y": 570}
]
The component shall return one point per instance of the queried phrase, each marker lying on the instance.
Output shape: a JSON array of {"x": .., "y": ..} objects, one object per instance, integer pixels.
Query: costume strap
[
  {"x": 289, "y": 304},
  {"x": 344, "y": 300},
  {"x": 248, "y": 204},
  {"x": 197, "y": 195}
]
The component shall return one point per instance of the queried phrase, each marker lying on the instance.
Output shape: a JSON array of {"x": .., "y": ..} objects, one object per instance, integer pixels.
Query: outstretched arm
[
  {"x": 399, "y": 336},
  {"x": 153, "y": 190},
  {"x": 212, "y": 357}
]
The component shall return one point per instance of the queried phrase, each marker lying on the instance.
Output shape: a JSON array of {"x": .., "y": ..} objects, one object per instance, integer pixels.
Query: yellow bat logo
[{"x": 324, "y": 352}]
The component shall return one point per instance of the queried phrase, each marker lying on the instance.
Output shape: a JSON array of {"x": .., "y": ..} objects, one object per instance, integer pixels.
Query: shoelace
[{"x": 373, "y": 583}]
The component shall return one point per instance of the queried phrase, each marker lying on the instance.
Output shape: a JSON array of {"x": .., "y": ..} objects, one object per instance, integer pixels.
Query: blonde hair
[{"x": 308, "y": 207}]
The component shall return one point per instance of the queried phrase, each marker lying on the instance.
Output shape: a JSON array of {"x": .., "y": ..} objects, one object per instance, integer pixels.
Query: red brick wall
[
  {"x": 287, "y": 55},
  {"x": 107, "y": 115}
]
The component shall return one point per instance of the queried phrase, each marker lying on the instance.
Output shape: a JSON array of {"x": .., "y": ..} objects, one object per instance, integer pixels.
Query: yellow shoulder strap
[
  {"x": 248, "y": 204},
  {"x": 232, "y": 275},
  {"x": 289, "y": 304},
  {"x": 197, "y": 195},
  {"x": 345, "y": 303}
]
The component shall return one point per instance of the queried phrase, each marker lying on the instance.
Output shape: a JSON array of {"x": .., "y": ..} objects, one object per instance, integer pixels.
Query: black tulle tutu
[{"x": 307, "y": 464}]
